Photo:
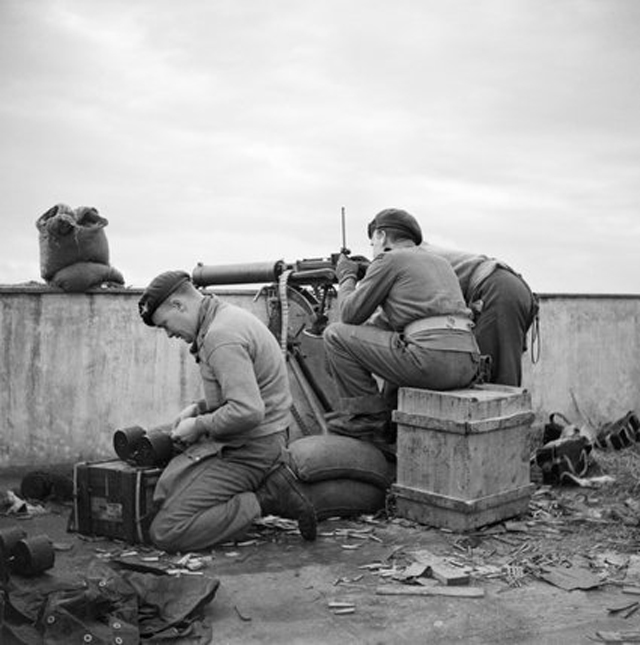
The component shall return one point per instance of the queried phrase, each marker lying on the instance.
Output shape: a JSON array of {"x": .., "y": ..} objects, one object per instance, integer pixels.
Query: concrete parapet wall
[
  {"x": 75, "y": 367},
  {"x": 589, "y": 365}
]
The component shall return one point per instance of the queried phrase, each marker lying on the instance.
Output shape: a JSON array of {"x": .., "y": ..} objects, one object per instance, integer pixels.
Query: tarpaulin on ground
[{"x": 108, "y": 606}]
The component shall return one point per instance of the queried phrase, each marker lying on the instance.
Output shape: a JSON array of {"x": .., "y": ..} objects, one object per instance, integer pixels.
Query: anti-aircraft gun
[
  {"x": 313, "y": 278},
  {"x": 299, "y": 298}
]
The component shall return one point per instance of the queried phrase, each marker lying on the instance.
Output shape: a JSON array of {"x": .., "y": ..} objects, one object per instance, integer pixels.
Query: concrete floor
[{"x": 278, "y": 589}]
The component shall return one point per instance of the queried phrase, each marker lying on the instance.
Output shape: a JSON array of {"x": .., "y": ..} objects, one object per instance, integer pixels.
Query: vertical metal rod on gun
[{"x": 344, "y": 248}]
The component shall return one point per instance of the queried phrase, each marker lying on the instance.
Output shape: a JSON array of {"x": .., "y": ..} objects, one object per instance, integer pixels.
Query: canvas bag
[{"x": 68, "y": 236}]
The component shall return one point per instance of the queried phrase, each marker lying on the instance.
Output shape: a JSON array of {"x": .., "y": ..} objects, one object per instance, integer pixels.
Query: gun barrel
[{"x": 249, "y": 273}]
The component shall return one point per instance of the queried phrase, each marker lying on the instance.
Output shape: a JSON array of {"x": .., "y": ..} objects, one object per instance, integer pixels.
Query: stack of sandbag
[
  {"x": 341, "y": 476},
  {"x": 74, "y": 252}
]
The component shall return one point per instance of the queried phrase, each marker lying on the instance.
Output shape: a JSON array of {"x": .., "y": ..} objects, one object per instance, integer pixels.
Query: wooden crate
[
  {"x": 463, "y": 457},
  {"x": 113, "y": 499}
]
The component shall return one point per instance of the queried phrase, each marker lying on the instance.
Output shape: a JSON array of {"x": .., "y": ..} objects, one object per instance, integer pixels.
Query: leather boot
[{"x": 280, "y": 495}]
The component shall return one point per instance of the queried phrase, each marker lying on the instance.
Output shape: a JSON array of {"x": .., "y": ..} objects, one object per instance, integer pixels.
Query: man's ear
[
  {"x": 382, "y": 238},
  {"x": 176, "y": 303}
]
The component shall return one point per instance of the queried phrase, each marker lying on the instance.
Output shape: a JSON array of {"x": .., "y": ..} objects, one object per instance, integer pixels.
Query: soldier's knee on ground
[{"x": 164, "y": 534}]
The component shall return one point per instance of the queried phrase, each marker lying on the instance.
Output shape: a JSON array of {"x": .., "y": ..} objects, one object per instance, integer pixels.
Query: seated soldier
[{"x": 420, "y": 336}]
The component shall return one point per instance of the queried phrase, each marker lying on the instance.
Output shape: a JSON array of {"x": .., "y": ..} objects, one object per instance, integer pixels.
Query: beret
[
  {"x": 399, "y": 220},
  {"x": 159, "y": 289}
]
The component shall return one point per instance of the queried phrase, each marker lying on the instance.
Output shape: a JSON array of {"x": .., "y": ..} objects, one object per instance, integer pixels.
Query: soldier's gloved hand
[
  {"x": 346, "y": 268},
  {"x": 363, "y": 265}
]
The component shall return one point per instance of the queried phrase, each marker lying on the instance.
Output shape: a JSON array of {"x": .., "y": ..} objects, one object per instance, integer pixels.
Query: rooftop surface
[{"x": 276, "y": 588}]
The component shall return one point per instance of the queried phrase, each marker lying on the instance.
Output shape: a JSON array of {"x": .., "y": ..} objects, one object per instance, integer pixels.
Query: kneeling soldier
[{"x": 233, "y": 469}]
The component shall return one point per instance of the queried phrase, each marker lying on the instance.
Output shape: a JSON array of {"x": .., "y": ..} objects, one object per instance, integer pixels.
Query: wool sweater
[
  {"x": 244, "y": 376},
  {"x": 408, "y": 283},
  {"x": 471, "y": 268}
]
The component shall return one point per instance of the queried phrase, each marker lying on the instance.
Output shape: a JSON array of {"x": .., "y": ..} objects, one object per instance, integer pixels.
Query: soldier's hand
[
  {"x": 186, "y": 431},
  {"x": 346, "y": 268},
  {"x": 363, "y": 264},
  {"x": 188, "y": 412}
]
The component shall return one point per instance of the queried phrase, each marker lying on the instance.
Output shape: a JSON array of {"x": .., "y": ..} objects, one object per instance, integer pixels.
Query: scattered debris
[
  {"x": 590, "y": 482},
  {"x": 191, "y": 562},
  {"x": 618, "y": 637},
  {"x": 12, "y": 504},
  {"x": 341, "y": 608},
  {"x": 626, "y": 611},
  {"x": 62, "y": 546},
  {"x": 415, "y": 570},
  {"x": 514, "y": 575},
  {"x": 441, "y": 569},
  {"x": 411, "y": 590},
  {"x": 571, "y": 578},
  {"x": 336, "y": 604},
  {"x": 347, "y": 581},
  {"x": 633, "y": 569},
  {"x": 241, "y": 616}
]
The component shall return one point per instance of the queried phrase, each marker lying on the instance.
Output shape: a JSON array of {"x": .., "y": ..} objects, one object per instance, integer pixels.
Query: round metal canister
[
  {"x": 33, "y": 555},
  {"x": 126, "y": 442},
  {"x": 9, "y": 537},
  {"x": 156, "y": 449}
]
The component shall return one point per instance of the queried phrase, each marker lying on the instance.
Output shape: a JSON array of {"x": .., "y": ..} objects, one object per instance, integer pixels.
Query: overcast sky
[{"x": 224, "y": 131}]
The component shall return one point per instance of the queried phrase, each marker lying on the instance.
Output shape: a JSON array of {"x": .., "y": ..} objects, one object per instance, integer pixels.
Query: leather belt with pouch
[{"x": 438, "y": 322}]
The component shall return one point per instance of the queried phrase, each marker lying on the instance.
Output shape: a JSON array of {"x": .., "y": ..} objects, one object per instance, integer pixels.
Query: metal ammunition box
[{"x": 114, "y": 499}]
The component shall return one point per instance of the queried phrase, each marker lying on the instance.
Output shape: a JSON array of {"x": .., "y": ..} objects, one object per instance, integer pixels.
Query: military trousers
[
  {"x": 506, "y": 313},
  {"x": 210, "y": 500},
  {"x": 360, "y": 356}
]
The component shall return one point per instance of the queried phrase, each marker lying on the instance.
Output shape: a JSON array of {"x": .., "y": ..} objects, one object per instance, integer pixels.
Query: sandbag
[
  {"x": 343, "y": 497},
  {"x": 324, "y": 457},
  {"x": 80, "y": 276},
  {"x": 71, "y": 235}
]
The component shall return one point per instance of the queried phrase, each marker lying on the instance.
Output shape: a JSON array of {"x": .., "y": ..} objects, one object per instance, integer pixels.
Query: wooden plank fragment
[
  {"x": 337, "y": 604},
  {"x": 446, "y": 573},
  {"x": 416, "y": 570},
  {"x": 633, "y": 569},
  {"x": 572, "y": 578},
  {"x": 456, "y": 592},
  {"x": 619, "y": 637}
]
